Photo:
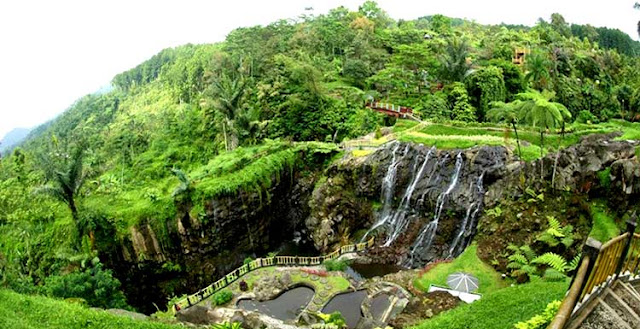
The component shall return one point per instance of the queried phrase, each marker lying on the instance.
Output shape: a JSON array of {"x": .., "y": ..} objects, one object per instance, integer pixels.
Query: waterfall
[
  {"x": 427, "y": 234},
  {"x": 388, "y": 188},
  {"x": 470, "y": 219},
  {"x": 399, "y": 221}
]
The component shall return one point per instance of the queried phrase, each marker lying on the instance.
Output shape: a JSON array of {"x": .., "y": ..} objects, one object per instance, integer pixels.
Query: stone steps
[{"x": 617, "y": 307}]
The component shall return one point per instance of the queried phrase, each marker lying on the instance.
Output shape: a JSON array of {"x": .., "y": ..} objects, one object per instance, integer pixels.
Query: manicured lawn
[
  {"x": 604, "y": 226},
  {"x": 33, "y": 312},
  {"x": 500, "y": 309},
  {"x": 467, "y": 262}
]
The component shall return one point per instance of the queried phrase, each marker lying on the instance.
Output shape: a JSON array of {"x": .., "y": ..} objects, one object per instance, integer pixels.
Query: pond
[
  {"x": 379, "y": 304},
  {"x": 285, "y": 307},
  {"x": 349, "y": 305},
  {"x": 360, "y": 272}
]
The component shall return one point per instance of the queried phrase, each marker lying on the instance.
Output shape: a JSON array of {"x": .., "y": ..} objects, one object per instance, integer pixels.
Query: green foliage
[
  {"x": 604, "y": 177},
  {"x": 335, "y": 319},
  {"x": 541, "y": 321},
  {"x": 495, "y": 212},
  {"x": 460, "y": 106},
  {"x": 557, "y": 234},
  {"x": 93, "y": 284},
  {"x": 500, "y": 309},
  {"x": 38, "y": 312},
  {"x": 222, "y": 297},
  {"x": 454, "y": 65},
  {"x": 335, "y": 265},
  {"x": 604, "y": 226},
  {"x": 485, "y": 85},
  {"x": 587, "y": 117},
  {"x": 303, "y": 80},
  {"x": 227, "y": 325}
]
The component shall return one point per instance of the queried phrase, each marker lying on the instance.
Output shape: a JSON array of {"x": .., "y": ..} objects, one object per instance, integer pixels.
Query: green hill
[{"x": 33, "y": 312}]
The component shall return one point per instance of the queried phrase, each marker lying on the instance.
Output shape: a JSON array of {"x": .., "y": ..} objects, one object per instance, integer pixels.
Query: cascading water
[
  {"x": 388, "y": 188},
  {"x": 400, "y": 219},
  {"x": 469, "y": 221},
  {"x": 427, "y": 234}
]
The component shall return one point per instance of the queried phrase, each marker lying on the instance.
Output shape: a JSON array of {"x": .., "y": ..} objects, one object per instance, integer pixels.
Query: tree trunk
[
  {"x": 224, "y": 133},
  {"x": 513, "y": 123}
]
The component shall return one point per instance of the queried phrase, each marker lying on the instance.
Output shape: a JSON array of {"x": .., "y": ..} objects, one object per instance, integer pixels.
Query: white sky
[{"x": 54, "y": 52}]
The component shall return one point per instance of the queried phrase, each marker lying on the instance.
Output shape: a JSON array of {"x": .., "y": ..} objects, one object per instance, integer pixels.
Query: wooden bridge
[
  {"x": 391, "y": 109},
  {"x": 236, "y": 274},
  {"x": 606, "y": 272}
]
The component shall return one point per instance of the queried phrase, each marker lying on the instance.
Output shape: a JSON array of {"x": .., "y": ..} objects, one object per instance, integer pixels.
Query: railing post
[
  {"x": 591, "y": 249},
  {"x": 631, "y": 228}
]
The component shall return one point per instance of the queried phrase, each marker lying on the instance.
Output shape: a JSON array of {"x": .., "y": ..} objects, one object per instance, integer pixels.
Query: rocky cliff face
[
  {"x": 194, "y": 250},
  {"x": 430, "y": 200}
]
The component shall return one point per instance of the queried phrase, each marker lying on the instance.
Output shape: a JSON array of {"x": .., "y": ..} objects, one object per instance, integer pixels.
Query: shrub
[
  {"x": 222, "y": 297},
  {"x": 335, "y": 265},
  {"x": 585, "y": 116},
  {"x": 541, "y": 321},
  {"x": 95, "y": 285}
]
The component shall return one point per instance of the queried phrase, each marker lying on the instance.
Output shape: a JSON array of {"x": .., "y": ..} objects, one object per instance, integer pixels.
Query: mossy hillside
[
  {"x": 246, "y": 168},
  {"x": 604, "y": 226},
  {"x": 34, "y": 312}
]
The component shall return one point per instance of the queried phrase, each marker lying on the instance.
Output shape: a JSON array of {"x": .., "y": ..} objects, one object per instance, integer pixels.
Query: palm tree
[
  {"x": 64, "y": 180},
  {"x": 507, "y": 112},
  {"x": 538, "y": 67},
  {"x": 229, "y": 94},
  {"x": 454, "y": 62},
  {"x": 537, "y": 110}
]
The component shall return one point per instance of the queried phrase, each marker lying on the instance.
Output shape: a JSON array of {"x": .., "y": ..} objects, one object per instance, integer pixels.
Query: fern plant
[
  {"x": 557, "y": 234},
  {"x": 520, "y": 262}
]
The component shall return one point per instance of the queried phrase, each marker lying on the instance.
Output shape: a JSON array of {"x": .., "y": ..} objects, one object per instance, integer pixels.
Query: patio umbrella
[{"x": 463, "y": 282}]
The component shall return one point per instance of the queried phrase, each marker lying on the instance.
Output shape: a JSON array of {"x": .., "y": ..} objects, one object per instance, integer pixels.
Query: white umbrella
[{"x": 463, "y": 282}]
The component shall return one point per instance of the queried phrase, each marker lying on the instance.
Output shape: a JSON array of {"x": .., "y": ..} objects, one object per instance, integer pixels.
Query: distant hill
[{"x": 13, "y": 138}]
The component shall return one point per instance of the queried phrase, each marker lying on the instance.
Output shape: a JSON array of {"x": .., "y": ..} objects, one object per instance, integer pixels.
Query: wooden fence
[
  {"x": 236, "y": 274},
  {"x": 600, "y": 266}
]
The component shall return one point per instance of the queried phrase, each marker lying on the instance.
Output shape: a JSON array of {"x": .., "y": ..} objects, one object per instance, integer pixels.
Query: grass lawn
[
  {"x": 464, "y": 135},
  {"x": 604, "y": 226},
  {"x": 33, "y": 312},
  {"x": 467, "y": 262},
  {"x": 500, "y": 309}
]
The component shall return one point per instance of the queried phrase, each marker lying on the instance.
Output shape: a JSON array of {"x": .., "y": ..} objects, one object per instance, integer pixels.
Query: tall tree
[
  {"x": 228, "y": 94},
  {"x": 64, "y": 179},
  {"x": 454, "y": 61},
  {"x": 538, "y": 66}
]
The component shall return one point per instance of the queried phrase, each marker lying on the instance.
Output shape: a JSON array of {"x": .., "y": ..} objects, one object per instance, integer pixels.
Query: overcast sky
[{"x": 54, "y": 52}]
